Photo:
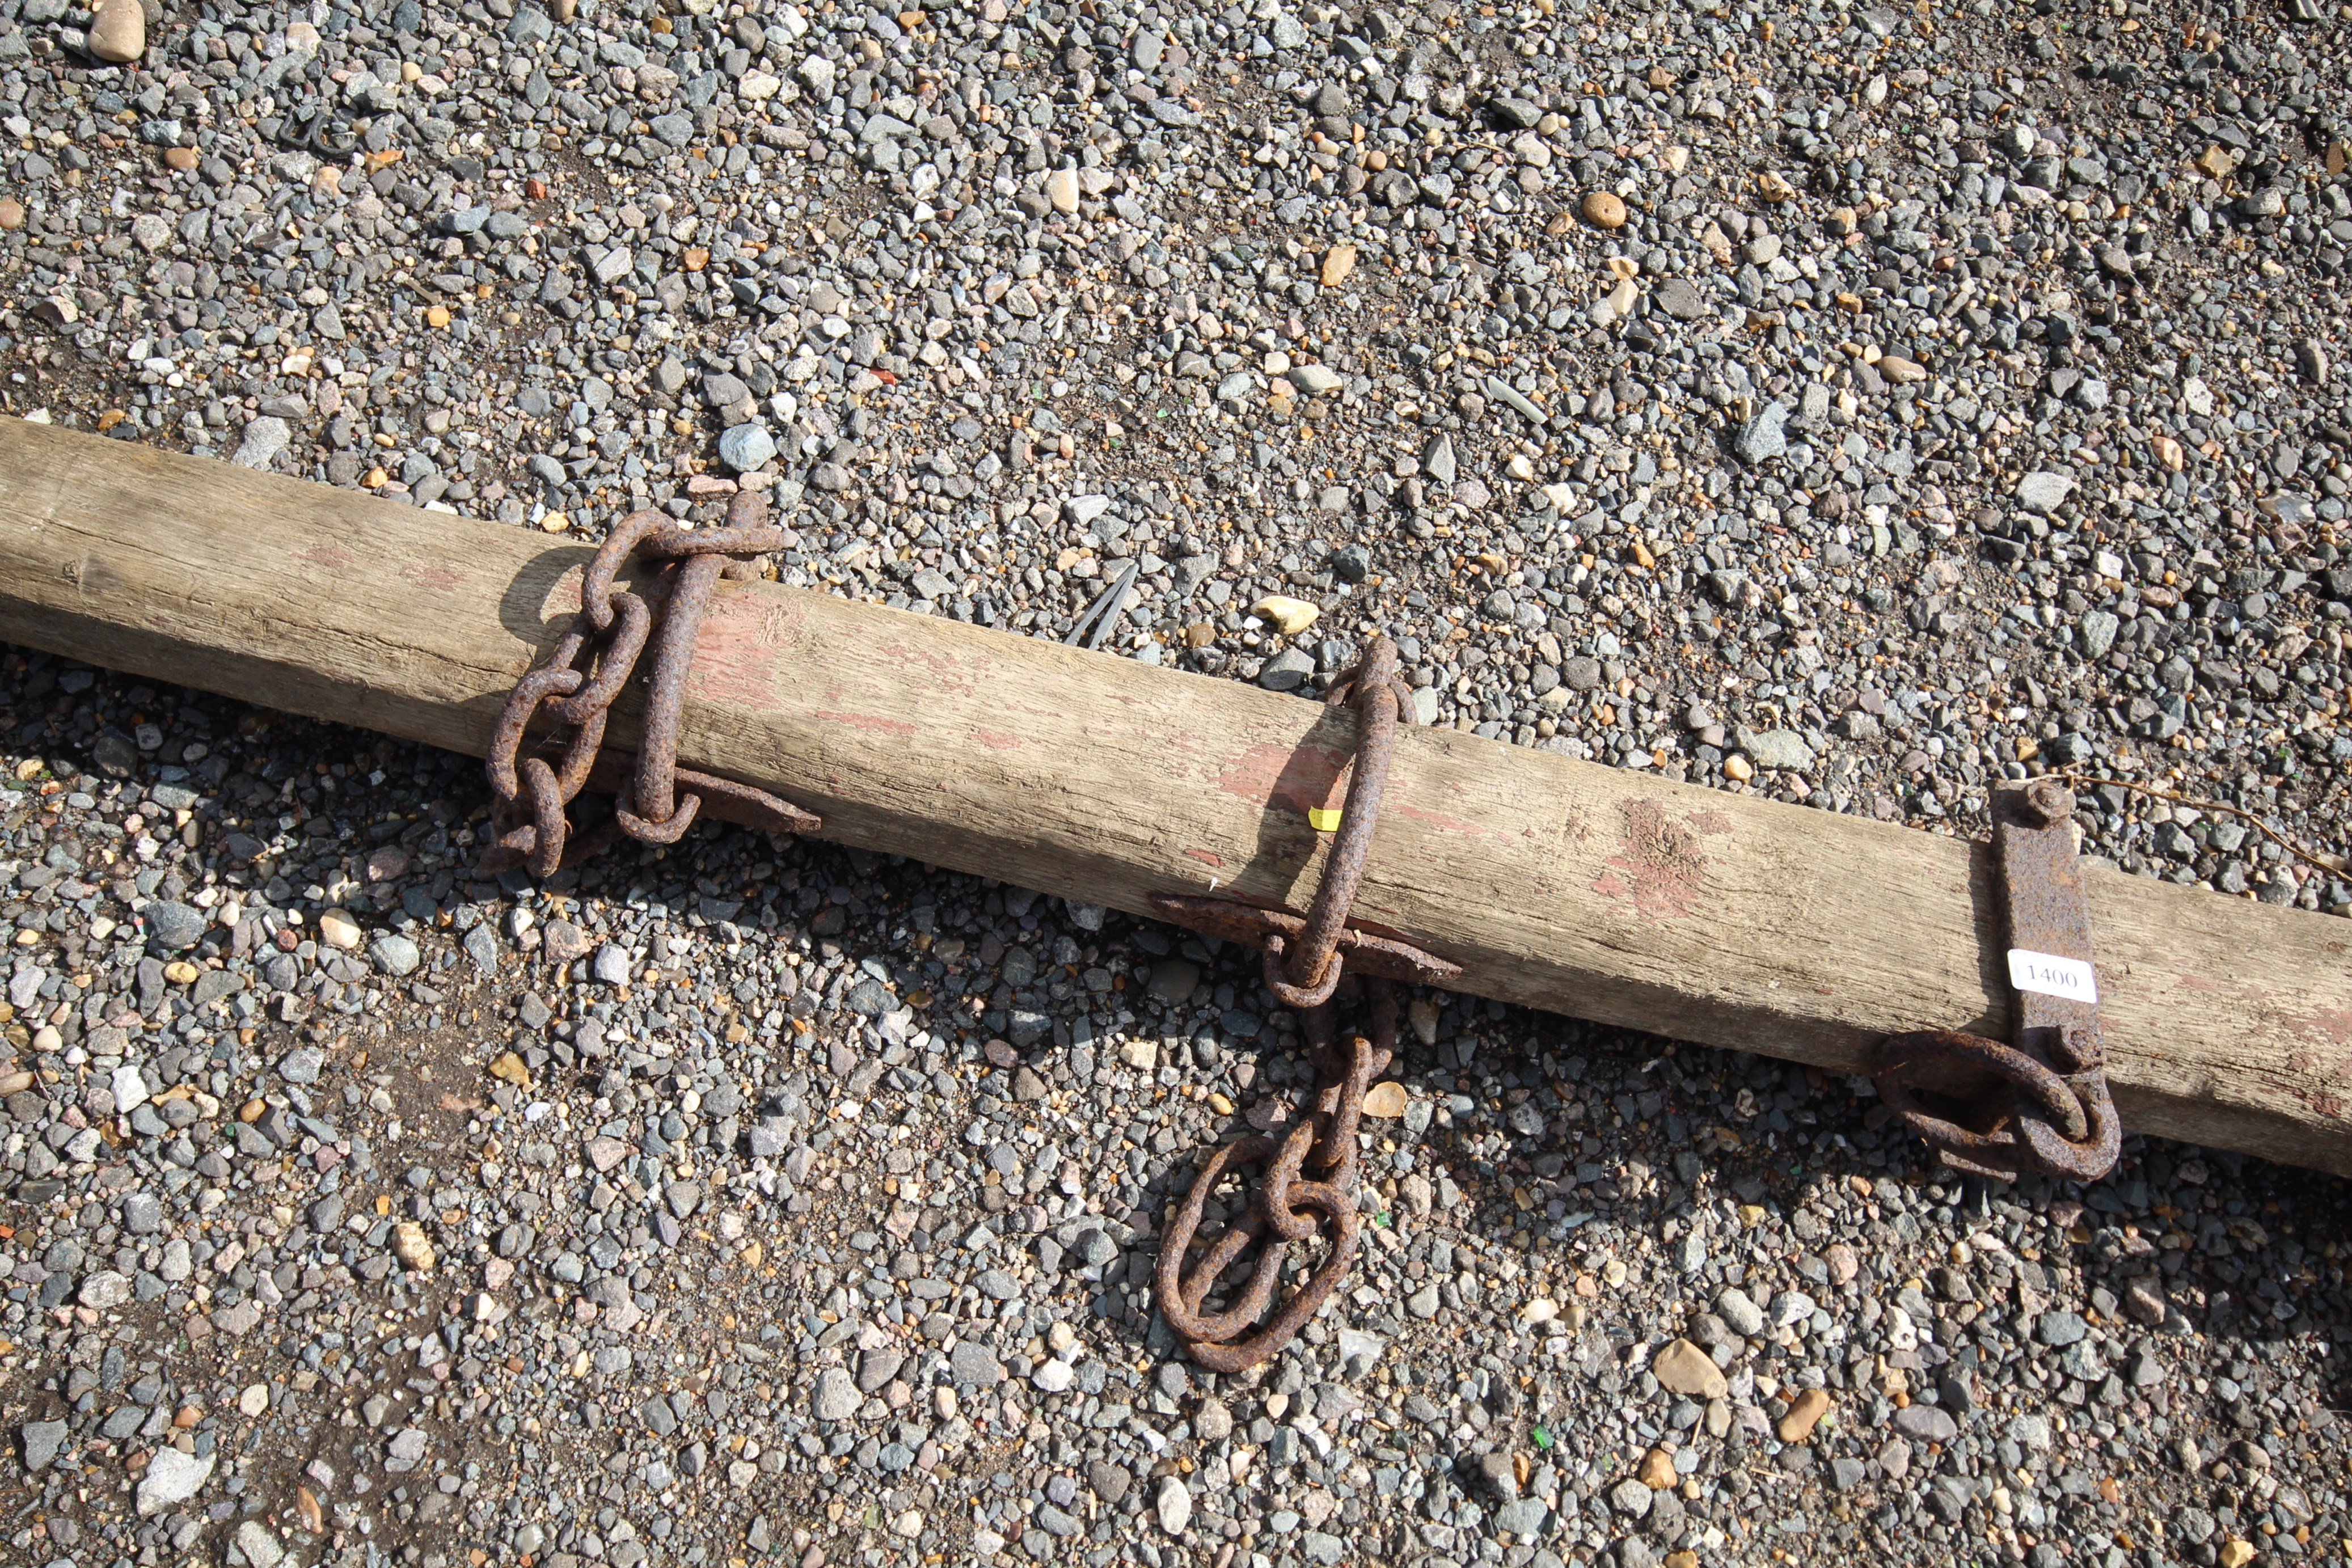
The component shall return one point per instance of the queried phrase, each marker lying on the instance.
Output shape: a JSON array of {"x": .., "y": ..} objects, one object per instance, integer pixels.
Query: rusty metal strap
[
  {"x": 657, "y": 799},
  {"x": 2042, "y": 1104}
]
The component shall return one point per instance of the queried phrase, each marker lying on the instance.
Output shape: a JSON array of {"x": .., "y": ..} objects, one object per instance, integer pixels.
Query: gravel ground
[{"x": 1850, "y": 405}]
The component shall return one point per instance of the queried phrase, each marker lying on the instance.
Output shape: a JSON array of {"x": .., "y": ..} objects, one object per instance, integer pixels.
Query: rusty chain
[
  {"x": 1304, "y": 962},
  {"x": 532, "y": 792},
  {"x": 2041, "y": 1104},
  {"x": 1310, "y": 1171}
]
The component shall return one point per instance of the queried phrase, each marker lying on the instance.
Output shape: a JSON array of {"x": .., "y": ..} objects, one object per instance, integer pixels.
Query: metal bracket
[{"x": 2042, "y": 1104}]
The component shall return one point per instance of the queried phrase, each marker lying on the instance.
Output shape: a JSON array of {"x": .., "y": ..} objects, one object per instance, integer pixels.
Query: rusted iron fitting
[
  {"x": 1311, "y": 1170},
  {"x": 1303, "y": 958},
  {"x": 2041, "y": 1104},
  {"x": 657, "y": 800}
]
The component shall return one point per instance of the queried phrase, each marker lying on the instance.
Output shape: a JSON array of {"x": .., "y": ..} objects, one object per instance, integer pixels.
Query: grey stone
[
  {"x": 264, "y": 439},
  {"x": 1285, "y": 671},
  {"x": 1927, "y": 1423},
  {"x": 42, "y": 1442},
  {"x": 1524, "y": 1518},
  {"x": 2043, "y": 491},
  {"x": 394, "y": 954},
  {"x": 746, "y": 448},
  {"x": 259, "y": 1547},
  {"x": 1762, "y": 437},
  {"x": 1677, "y": 298},
  {"x": 1437, "y": 459},
  {"x": 1740, "y": 1313},
  {"x": 1784, "y": 749},
  {"x": 973, "y": 1364},
  {"x": 171, "y": 1478},
  {"x": 836, "y": 1397},
  {"x": 104, "y": 1291},
  {"x": 1172, "y": 980},
  {"x": 175, "y": 927},
  {"x": 2060, "y": 1328}
]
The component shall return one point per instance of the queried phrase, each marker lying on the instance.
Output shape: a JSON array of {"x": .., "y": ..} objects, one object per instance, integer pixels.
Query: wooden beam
[{"x": 1723, "y": 919}]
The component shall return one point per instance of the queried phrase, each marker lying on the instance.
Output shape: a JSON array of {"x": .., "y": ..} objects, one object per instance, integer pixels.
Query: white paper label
[{"x": 2052, "y": 975}]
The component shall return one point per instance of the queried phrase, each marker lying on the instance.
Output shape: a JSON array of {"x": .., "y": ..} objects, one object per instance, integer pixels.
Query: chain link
[
  {"x": 2041, "y": 1104},
  {"x": 1311, "y": 1171}
]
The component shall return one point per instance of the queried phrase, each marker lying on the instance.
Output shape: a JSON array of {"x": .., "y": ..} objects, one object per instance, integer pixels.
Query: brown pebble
[
  {"x": 12, "y": 214},
  {"x": 1657, "y": 1472},
  {"x": 1604, "y": 210},
  {"x": 1683, "y": 1368},
  {"x": 119, "y": 32},
  {"x": 1804, "y": 1411},
  {"x": 182, "y": 158}
]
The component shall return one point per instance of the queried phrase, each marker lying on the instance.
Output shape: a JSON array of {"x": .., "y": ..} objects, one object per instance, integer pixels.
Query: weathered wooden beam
[{"x": 1725, "y": 920}]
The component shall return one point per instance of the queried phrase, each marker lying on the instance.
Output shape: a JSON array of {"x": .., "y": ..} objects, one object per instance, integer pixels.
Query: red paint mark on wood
[
  {"x": 1208, "y": 857},
  {"x": 942, "y": 672},
  {"x": 562, "y": 598},
  {"x": 996, "y": 739},
  {"x": 873, "y": 723},
  {"x": 1659, "y": 862},
  {"x": 1292, "y": 778},
  {"x": 439, "y": 579},
  {"x": 327, "y": 558},
  {"x": 742, "y": 654},
  {"x": 2336, "y": 1024},
  {"x": 1444, "y": 823}
]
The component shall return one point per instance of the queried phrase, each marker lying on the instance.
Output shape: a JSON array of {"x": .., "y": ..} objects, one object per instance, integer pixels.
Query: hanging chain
[
  {"x": 657, "y": 799},
  {"x": 1311, "y": 1170}
]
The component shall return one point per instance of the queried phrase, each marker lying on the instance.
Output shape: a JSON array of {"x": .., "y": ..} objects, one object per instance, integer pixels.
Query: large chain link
[
  {"x": 2043, "y": 1103},
  {"x": 1310, "y": 1171}
]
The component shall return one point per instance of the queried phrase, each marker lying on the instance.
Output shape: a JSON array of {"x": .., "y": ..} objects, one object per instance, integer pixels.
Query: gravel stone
[
  {"x": 395, "y": 955},
  {"x": 1763, "y": 437},
  {"x": 175, "y": 927},
  {"x": 747, "y": 447},
  {"x": 42, "y": 1441},
  {"x": 836, "y": 1397}
]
